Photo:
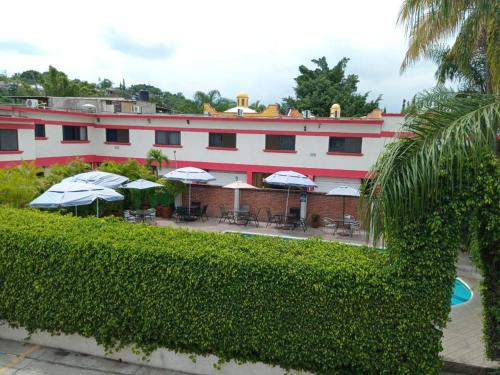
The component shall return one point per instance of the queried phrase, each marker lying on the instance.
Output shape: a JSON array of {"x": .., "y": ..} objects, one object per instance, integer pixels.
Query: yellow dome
[
  {"x": 334, "y": 107},
  {"x": 242, "y": 95}
]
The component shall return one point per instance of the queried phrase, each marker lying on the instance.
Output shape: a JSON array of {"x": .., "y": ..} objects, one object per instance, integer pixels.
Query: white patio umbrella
[
  {"x": 73, "y": 194},
  {"x": 289, "y": 179},
  {"x": 106, "y": 179},
  {"x": 344, "y": 191},
  {"x": 142, "y": 184},
  {"x": 236, "y": 186},
  {"x": 188, "y": 175}
]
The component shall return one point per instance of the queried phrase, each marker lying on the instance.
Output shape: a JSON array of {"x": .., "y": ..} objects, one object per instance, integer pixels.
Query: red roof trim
[
  {"x": 394, "y": 114},
  {"x": 321, "y": 120},
  {"x": 16, "y": 126},
  {"x": 7, "y": 152},
  {"x": 16, "y": 119},
  {"x": 395, "y": 134},
  {"x": 248, "y": 168}
]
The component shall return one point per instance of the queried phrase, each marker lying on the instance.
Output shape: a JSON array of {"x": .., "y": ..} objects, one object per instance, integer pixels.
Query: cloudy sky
[{"x": 183, "y": 46}]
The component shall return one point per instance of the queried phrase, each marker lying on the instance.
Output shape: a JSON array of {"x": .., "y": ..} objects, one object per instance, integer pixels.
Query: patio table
[{"x": 187, "y": 214}]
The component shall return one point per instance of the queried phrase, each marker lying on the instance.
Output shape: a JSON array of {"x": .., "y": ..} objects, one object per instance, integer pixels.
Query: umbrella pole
[
  {"x": 286, "y": 205},
  {"x": 189, "y": 201},
  {"x": 97, "y": 207},
  {"x": 343, "y": 210},
  {"x": 236, "y": 201}
]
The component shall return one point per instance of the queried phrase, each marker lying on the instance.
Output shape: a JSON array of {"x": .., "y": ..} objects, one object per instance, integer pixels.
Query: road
[{"x": 19, "y": 359}]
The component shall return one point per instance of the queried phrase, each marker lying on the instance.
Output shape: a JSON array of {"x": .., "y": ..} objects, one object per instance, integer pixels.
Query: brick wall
[{"x": 329, "y": 206}]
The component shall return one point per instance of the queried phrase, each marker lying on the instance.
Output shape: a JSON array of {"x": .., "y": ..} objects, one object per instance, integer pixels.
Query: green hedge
[{"x": 319, "y": 306}]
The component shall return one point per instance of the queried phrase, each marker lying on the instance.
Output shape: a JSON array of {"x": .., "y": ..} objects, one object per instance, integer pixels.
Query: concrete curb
[{"x": 162, "y": 358}]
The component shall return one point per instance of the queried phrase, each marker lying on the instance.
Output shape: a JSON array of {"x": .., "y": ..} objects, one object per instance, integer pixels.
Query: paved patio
[
  {"x": 213, "y": 225},
  {"x": 462, "y": 340}
]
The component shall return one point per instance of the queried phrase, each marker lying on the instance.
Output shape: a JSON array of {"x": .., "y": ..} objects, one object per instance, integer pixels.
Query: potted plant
[
  {"x": 167, "y": 195},
  {"x": 315, "y": 220}
]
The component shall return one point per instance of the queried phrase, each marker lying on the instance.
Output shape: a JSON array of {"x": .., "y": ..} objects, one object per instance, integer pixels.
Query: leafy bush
[
  {"x": 20, "y": 185},
  {"x": 313, "y": 305}
]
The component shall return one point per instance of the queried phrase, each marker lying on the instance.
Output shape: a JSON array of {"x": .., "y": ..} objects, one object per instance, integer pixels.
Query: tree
[
  {"x": 475, "y": 24},
  {"x": 447, "y": 169},
  {"x": 57, "y": 83},
  {"x": 155, "y": 159},
  {"x": 471, "y": 79},
  {"x": 58, "y": 172},
  {"x": 257, "y": 106},
  {"x": 318, "y": 89},
  {"x": 213, "y": 98},
  {"x": 105, "y": 84}
]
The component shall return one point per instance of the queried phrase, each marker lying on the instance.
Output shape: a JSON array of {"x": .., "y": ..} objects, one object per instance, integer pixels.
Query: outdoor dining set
[{"x": 89, "y": 187}]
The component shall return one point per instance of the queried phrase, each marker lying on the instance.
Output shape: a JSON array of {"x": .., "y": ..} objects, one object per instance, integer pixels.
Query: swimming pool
[{"x": 461, "y": 292}]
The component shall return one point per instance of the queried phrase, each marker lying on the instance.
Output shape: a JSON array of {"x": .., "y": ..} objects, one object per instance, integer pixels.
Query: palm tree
[
  {"x": 212, "y": 97},
  {"x": 415, "y": 176},
  {"x": 474, "y": 22},
  {"x": 406, "y": 180},
  {"x": 156, "y": 156}
]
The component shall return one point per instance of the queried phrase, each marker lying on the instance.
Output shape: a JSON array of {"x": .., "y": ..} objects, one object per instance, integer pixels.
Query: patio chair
[
  {"x": 299, "y": 222},
  {"x": 129, "y": 216},
  {"x": 272, "y": 219},
  {"x": 180, "y": 213},
  {"x": 354, "y": 225},
  {"x": 329, "y": 223},
  {"x": 150, "y": 215},
  {"x": 254, "y": 216},
  {"x": 204, "y": 212},
  {"x": 225, "y": 215}
]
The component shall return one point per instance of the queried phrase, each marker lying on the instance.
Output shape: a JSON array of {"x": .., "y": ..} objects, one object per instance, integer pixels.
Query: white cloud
[{"x": 227, "y": 45}]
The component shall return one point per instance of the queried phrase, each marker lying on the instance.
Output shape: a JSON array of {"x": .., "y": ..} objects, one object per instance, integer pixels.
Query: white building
[{"x": 331, "y": 150}]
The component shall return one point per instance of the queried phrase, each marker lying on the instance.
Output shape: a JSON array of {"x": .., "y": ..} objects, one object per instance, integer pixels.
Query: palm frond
[{"x": 408, "y": 176}]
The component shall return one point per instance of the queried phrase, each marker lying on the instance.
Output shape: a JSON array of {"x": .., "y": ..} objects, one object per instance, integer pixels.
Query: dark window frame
[
  {"x": 277, "y": 142},
  {"x": 3, "y": 146},
  {"x": 69, "y": 133},
  {"x": 117, "y": 135},
  {"x": 345, "y": 145},
  {"x": 168, "y": 137},
  {"x": 222, "y": 140},
  {"x": 40, "y": 131}
]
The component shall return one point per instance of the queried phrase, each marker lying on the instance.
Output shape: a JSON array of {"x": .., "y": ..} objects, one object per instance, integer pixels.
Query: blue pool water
[{"x": 461, "y": 293}]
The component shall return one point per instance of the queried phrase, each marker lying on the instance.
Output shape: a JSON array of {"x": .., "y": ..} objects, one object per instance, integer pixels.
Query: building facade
[{"x": 332, "y": 151}]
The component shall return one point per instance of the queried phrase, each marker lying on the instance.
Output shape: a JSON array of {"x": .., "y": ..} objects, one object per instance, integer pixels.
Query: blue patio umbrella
[
  {"x": 73, "y": 194},
  {"x": 188, "y": 175},
  {"x": 289, "y": 179},
  {"x": 106, "y": 179}
]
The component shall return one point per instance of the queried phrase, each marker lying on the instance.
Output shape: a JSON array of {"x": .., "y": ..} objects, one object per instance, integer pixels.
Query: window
[
  {"x": 117, "y": 135},
  {"x": 74, "y": 133},
  {"x": 39, "y": 130},
  {"x": 280, "y": 142},
  {"x": 167, "y": 138},
  {"x": 223, "y": 140},
  {"x": 8, "y": 140},
  {"x": 347, "y": 145}
]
